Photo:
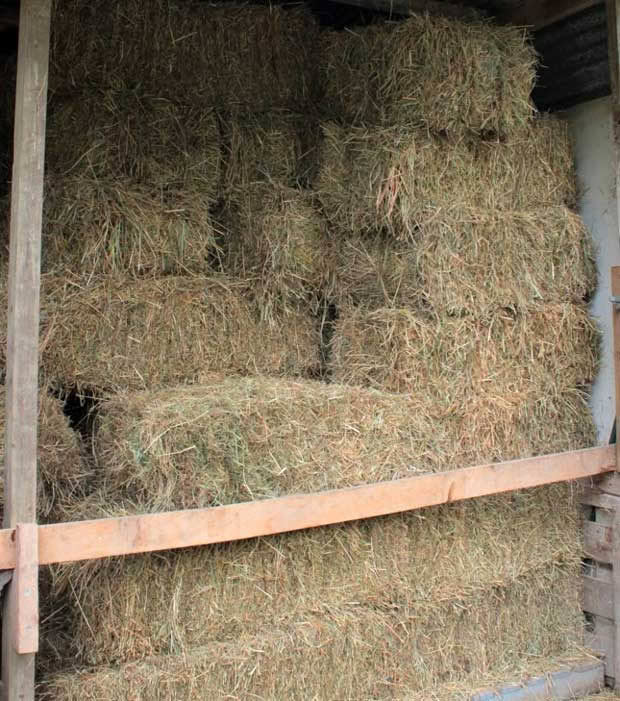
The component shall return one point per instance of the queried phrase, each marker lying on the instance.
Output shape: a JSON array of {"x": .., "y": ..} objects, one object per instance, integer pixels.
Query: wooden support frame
[
  {"x": 86, "y": 540},
  {"x": 19, "y": 622}
]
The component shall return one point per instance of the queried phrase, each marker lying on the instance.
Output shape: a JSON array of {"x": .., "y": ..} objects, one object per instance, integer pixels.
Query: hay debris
[
  {"x": 249, "y": 57},
  {"x": 112, "y": 333},
  {"x": 61, "y": 464},
  {"x": 365, "y": 649},
  {"x": 485, "y": 260},
  {"x": 120, "y": 133},
  {"x": 512, "y": 384},
  {"x": 448, "y": 75},
  {"x": 277, "y": 235},
  {"x": 106, "y": 226},
  {"x": 273, "y": 147},
  {"x": 396, "y": 180}
]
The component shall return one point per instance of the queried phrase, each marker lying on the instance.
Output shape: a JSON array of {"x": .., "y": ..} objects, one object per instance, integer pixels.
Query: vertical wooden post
[
  {"x": 20, "y": 472},
  {"x": 615, "y": 291}
]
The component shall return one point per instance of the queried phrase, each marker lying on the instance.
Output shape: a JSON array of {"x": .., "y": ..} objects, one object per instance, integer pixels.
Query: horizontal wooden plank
[
  {"x": 598, "y": 597},
  {"x": 597, "y": 541},
  {"x": 593, "y": 497},
  {"x": 85, "y": 540},
  {"x": 570, "y": 683},
  {"x": 608, "y": 484},
  {"x": 601, "y": 641}
]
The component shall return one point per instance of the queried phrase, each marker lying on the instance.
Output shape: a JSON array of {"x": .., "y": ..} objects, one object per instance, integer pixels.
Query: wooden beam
[
  {"x": 542, "y": 13},
  {"x": 20, "y": 473},
  {"x": 86, "y": 540}
]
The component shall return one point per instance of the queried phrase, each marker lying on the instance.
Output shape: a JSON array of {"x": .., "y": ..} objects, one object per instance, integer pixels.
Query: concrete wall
[{"x": 591, "y": 126}]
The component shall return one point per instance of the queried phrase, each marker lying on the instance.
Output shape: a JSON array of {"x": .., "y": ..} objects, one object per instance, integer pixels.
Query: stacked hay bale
[{"x": 185, "y": 249}]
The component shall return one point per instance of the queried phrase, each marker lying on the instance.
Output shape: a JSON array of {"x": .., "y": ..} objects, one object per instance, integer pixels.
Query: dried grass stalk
[
  {"x": 61, "y": 466},
  {"x": 396, "y": 180},
  {"x": 120, "y": 133},
  {"x": 511, "y": 384},
  {"x": 273, "y": 147},
  {"x": 248, "y": 56},
  {"x": 101, "y": 226},
  {"x": 277, "y": 235},
  {"x": 485, "y": 260},
  {"x": 448, "y": 75},
  {"x": 113, "y": 334},
  {"x": 416, "y": 562}
]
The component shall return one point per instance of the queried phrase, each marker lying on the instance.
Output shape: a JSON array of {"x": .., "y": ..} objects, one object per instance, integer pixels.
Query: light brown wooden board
[
  {"x": 615, "y": 290},
  {"x": 598, "y": 597},
  {"x": 84, "y": 540},
  {"x": 26, "y": 584}
]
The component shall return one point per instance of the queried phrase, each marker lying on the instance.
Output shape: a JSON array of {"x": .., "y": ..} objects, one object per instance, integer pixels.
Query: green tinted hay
[
  {"x": 249, "y": 57},
  {"x": 448, "y": 75},
  {"x": 94, "y": 226},
  {"x": 119, "y": 133},
  {"x": 112, "y": 333},
  {"x": 272, "y": 147},
  {"x": 395, "y": 180}
]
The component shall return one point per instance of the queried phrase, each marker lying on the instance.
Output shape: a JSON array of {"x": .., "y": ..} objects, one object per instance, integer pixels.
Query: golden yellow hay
[
  {"x": 277, "y": 235},
  {"x": 248, "y": 56},
  {"x": 485, "y": 260},
  {"x": 113, "y": 333},
  {"x": 388, "y": 647},
  {"x": 99, "y": 226},
  {"x": 375, "y": 272},
  {"x": 512, "y": 384},
  {"x": 396, "y": 180},
  {"x": 446, "y": 74}
]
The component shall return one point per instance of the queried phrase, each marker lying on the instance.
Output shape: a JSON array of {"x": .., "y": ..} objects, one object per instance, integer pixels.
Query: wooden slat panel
[
  {"x": 20, "y": 472},
  {"x": 597, "y": 541},
  {"x": 593, "y": 497},
  {"x": 598, "y": 597},
  {"x": 601, "y": 641},
  {"x": 66, "y": 542}
]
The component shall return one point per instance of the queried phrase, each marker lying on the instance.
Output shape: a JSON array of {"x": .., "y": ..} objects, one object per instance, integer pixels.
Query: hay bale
[
  {"x": 512, "y": 384},
  {"x": 413, "y": 563},
  {"x": 484, "y": 260},
  {"x": 448, "y": 75},
  {"x": 238, "y": 56},
  {"x": 273, "y": 147},
  {"x": 101, "y": 226},
  {"x": 112, "y": 333},
  {"x": 120, "y": 133},
  {"x": 396, "y": 180},
  {"x": 277, "y": 235},
  {"x": 62, "y": 469},
  {"x": 356, "y": 653},
  {"x": 375, "y": 272}
]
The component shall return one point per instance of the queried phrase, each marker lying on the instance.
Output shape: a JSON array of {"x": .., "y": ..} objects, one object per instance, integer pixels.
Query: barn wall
[{"x": 591, "y": 126}]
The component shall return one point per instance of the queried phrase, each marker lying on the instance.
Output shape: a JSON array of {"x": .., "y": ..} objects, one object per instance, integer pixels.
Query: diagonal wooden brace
[{"x": 26, "y": 589}]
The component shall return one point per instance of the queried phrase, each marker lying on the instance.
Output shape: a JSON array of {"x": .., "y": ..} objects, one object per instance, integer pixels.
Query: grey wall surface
[{"x": 591, "y": 127}]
